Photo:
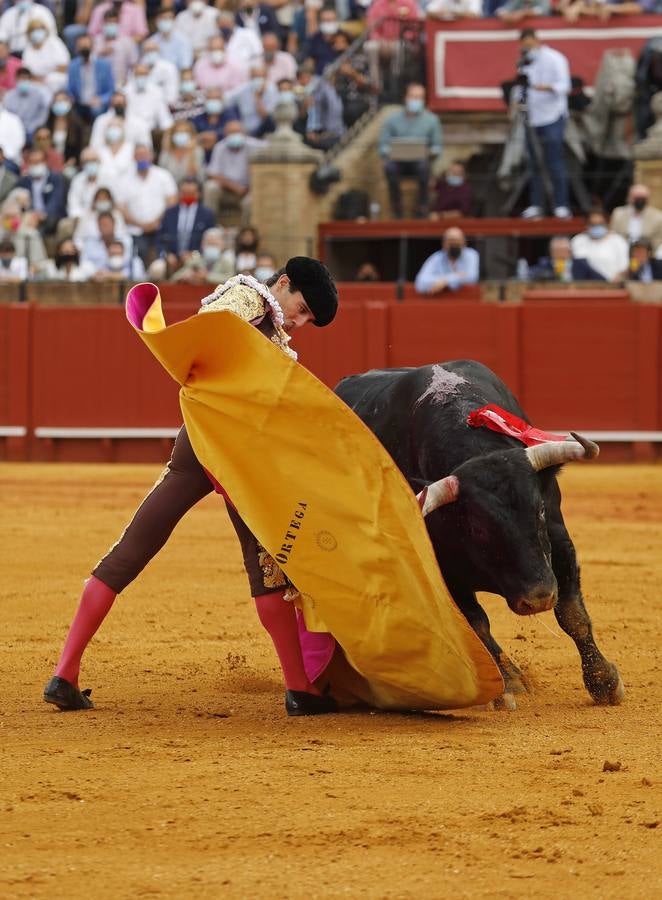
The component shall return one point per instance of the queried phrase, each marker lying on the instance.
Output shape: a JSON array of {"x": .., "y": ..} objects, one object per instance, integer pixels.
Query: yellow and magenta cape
[{"x": 331, "y": 508}]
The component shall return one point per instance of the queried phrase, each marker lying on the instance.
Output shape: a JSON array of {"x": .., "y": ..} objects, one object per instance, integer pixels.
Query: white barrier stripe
[
  {"x": 13, "y": 431},
  {"x": 615, "y": 436},
  {"x": 101, "y": 433},
  {"x": 548, "y": 34}
]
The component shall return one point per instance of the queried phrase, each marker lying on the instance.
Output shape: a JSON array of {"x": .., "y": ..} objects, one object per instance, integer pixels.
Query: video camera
[{"x": 525, "y": 59}]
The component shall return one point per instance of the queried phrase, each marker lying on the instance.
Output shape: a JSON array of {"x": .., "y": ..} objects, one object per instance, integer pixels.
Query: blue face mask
[
  {"x": 454, "y": 180},
  {"x": 91, "y": 168},
  {"x": 188, "y": 86},
  {"x": 211, "y": 253},
  {"x": 23, "y": 87},
  {"x": 141, "y": 82},
  {"x": 597, "y": 231},
  {"x": 414, "y": 106},
  {"x": 214, "y": 106},
  {"x": 286, "y": 97},
  {"x": 143, "y": 165},
  {"x": 111, "y": 30},
  {"x": 235, "y": 141},
  {"x": 164, "y": 26},
  {"x": 150, "y": 58},
  {"x": 61, "y": 107},
  {"x": 181, "y": 139},
  {"x": 38, "y": 35}
]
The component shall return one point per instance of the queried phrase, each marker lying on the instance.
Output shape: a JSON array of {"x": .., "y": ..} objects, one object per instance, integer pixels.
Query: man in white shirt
[
  {"x": 46, "y": 57},
  {"x": 606, "y": 252},
  {"x": 162, "y": 73},
  {"x": 136, "y": 130},
  {"x": 12, "y": 135},
  {"x": 279, "y": 64},
  {"x": 84, "y": 185},
  {"x": 198, "y": 22},
  {"x": 243, "y": 45},
  {"x": 548, "y": 85},
  {"x": 14, "y": 23},
  {"x": 143, "y": 198},
  {"x": 146, "y": 101}
]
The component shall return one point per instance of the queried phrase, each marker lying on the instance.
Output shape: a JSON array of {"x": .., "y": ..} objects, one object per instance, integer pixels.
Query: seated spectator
[
  {"x": 643, "y": 266},
  {"x": 173, "y": 45},
  {"x": 132, "y": 20},
  {"x": 604, "y": 9},
  {"x": 12, "y": 136},
  {"x": 367, "y": 271},
  {"x": 213, "y": 265},
  {"x": 181, "y": 155},
  {"x": 352, "y": 81},
  {"x": 242, "y": 45},
  {"x": 121, "y": 264},
  {"x": 8, "y": 175},
  {"x": 321, "y": 113},
  {"x": 197, "y": 23},
  {"x": 255, "y": 102},
  {"x": 9, "y": 65},
  {"x": 513, "y": 11},
  {"x": 246, "y": 249},
  {"x": 259, "y": 17},
  {"x": 87, "y": 227},
  {"x": 638, "y": 219},
  {"x": 452, "y": 193},
  {"x": 13, "y": 268},
  {"x": 320, "y": 49},
  {"x": 388, "y": 37},
  {"x": 66, "y": 266},
  {"x": 191, "y": 100},
  {"x": 84, "y": 185},
  {"x": 134, "y": 128},
  {"x": 15, "y": 20},
  {"x": 99, "y": 251},
  {"x": 305, "y": 23},
  {"x": 414, "y": 121},
  {"x": 265, "y": 267},
  {"x": 278, "y": 63},
  {"x": 162, "y": 73},
  {"x": 43, "y": 141},
  {"x": 143, "y": 199},
  {"x": 448, "y": 10},
  {"x": 210, "y": 125},
  {"x": 183, "y": 225},
  {"x": 605, "y": 251},
  {"x": 29, "y": 101},
  {"x": 228, "y": 182},
  {"x": 145, "y": 100},
  {"x": 46, "y": 57},
  {"x": 214, "y": 69},
  {"x": 560, "y": 265},
  {"x": 91, "y": 82},
  {"x": 116, "y": 155},
  {"x": 449, "y": 268},
  {"x": 68, "y": 130},
  {"x": 120, "y": 51},
  {"x": 20, "y": 224},
  {"x": 48, "y": 192}
]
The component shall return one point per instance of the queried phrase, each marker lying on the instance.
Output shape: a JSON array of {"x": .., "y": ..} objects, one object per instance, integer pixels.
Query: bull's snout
[{"x": 539, "y": 600}]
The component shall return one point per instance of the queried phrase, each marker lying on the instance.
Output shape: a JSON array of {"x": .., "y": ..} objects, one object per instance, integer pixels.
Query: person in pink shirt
[
  {"x": 214, "y": 69},
  {"x": 385, "y": 44},
  {"x": 279, "y": 63},
  {"x": 132, "y": 21},
  {"x": 8, "y": 66}
]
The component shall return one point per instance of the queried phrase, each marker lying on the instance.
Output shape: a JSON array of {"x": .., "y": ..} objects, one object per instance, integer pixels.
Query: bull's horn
[
  {"x": 439, "y": 493},
  {"x": 556, "y": 453}
]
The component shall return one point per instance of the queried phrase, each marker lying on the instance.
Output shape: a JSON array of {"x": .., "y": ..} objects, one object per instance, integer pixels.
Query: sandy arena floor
[{"x": 189, "y": 781}]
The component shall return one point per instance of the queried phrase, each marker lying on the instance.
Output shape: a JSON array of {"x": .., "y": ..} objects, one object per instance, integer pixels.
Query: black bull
[{"x": 502, "y": 530}]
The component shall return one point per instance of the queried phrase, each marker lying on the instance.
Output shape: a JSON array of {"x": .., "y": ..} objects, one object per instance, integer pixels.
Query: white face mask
[
  {"x": 196, "y": 7},
  {"x": 115, "y": 263},
  {"x": 329, "y": 27},
  {"x": 245, "y": 261},
  {"x": 217, "y": 57},
  {"x": 263, "y": 273}
]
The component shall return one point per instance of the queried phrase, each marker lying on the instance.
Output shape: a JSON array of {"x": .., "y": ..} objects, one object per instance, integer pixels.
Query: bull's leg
[
  {"x": 514, "y": 679},
  {"x": 601, "y": 677}
]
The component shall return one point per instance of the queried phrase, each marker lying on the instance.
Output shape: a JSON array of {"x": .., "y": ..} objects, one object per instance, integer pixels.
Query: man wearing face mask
[
  {"x": 212, "y": 265},
  {"x": 145, "y": 100},
  {"x": 320, "y": 109},
  {"x": 46, "y": 56},
  {"x": 228, "y": 182},
  {"x": 604, "y": 251},
  {"x": 449, "y": 268},
  {"x": 211, "y": 123},
  {"x": 277, "y": 62},
  {"x": 48, "y": 192},
  {"x": 84, "y": 185},
  {"x": 255, "y": 102},
  {"x": 173, "y": 46},
  {"x": 548, "y": 84},
  {"x": 120, "y": 51},
  {"x": 413, "y": 122},
  {"x": 214, "y": 69},
  {"x": 132, "y": 21},
  {"x": 197, "y": 23},
  {"x": 453, "y": 194},
  {"x": 242, "y": 45},
  {"x": 320, "y": 47},
  {"x": 638, "y": 219},
  {"x": 28, "y": 101},
  {"x": 135, "y": 129},
  {"x": 14, "y": 23},
  {"x": 13, "y": 268},
  {"x": 258, "y": 17},
  {"x": 183, "y": 225},
  {"x": 91, "y": 82},
  {"x": 162, "y": 74},
  {"x": 191, "y": 100}
]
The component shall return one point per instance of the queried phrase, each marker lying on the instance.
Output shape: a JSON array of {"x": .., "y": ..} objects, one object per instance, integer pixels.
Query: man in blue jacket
[
  {"x": 91, "y": 82},
  {"x": 48, "y": 191},
  {"x": 183, "y": 225}
]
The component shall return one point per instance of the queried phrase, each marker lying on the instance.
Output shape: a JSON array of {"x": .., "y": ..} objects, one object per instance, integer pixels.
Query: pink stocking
[
  {"x": 279, "y": 618},
  {"x": 95, "y": 603}
]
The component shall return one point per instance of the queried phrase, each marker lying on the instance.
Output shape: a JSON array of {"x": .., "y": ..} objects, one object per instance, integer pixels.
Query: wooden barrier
[{"x": 81, "y": 385}]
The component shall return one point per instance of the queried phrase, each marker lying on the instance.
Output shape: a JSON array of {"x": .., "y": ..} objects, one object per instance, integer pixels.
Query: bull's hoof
[
  {"x": 505, "y": 701},
  {"x": 515, "y": 680},
  {"x": 606, "y": 687}
]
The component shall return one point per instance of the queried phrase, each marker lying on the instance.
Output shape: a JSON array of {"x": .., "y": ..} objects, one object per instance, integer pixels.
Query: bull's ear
[{"x": 439, "y": 493}]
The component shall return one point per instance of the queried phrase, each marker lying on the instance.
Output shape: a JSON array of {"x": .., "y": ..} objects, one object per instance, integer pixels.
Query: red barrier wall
[{"x": 592, "y": 366}]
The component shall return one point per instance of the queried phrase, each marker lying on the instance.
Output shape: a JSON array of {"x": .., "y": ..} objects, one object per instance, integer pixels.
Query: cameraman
[{"x": 544, "y": 85}]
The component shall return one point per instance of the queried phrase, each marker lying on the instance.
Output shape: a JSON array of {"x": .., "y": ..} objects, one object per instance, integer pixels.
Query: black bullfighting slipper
[
  {"x": 301, "y": 703},
  {"x": 66, "y": 696}
]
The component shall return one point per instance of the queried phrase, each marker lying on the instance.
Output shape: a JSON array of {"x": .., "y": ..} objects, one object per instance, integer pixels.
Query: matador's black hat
[{"x": 314, "y": 280}]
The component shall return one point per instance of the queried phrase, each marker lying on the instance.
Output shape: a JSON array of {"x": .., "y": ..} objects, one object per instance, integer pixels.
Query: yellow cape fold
[{"x": 323, "y": 496}]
